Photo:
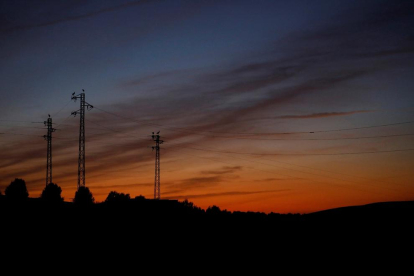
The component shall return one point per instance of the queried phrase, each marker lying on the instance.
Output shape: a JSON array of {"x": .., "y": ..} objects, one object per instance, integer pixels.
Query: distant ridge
[
  {"x": 385, "y": 217},
  {"x": 377, "y": 208}
]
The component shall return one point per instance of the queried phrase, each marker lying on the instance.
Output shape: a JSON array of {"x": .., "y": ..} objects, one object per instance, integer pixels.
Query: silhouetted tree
[
  {"x": 187, "y": 203},
  {"x": 115, "y": 197},
  {"x": 140, "y": 198},
  {"x": 191, "y": 208},
  {"x": 83, "y": 197},
  {"x": 52, "y": 193},
  {"x": 17, "y": 190},
  {"x": 214, "y": 210}
]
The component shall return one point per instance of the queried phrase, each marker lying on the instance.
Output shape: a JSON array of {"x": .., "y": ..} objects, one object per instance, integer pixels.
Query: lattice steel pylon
[
  {"x": 81, "y": 111},
  {"x": 156, "y": 138},
  {"x": 48, "y": 138}
]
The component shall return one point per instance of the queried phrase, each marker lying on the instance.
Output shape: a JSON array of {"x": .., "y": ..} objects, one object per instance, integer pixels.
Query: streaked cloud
[
  {"x": 231, "y": 193},
  {"x": 224, "y": 170},
  {"x": 121, "y": 187},
  {"x": 75, "y": 17},
  {"x": 316, "y": 115},
  {"x": 150, "y": 77}
]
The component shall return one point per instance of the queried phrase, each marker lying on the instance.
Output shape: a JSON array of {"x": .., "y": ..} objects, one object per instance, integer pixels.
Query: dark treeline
[
  {"x": 117, "y": 207},
  {"x": 121, "y": 215}
]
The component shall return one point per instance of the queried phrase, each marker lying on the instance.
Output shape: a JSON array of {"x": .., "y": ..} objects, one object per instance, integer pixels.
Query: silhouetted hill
[
  {"x": 385, "y": 211},
  {"x": 382, "y": 224},
  {"x": 140, "y": 217}
]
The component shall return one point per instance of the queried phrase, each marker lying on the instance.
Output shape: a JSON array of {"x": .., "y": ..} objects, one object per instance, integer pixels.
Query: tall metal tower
[
  {"x": 48, "y": 138},
  {"x": 81, "y": 111},
  {"x": 156, "y": 138}
]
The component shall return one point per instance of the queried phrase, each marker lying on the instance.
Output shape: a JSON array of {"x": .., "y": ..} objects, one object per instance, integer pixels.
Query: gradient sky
[{"x": 270, "y": 106}]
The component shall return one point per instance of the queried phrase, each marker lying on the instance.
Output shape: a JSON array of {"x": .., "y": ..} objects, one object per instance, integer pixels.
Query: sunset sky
[{"x": 268, "y": 106}]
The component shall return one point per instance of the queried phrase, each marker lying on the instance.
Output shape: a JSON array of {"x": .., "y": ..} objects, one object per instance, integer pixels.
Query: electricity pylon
[
  {"x": 48, "y": 138},
  {"x": 156, "y": 138},
  {"x": 81, "y": 111}
]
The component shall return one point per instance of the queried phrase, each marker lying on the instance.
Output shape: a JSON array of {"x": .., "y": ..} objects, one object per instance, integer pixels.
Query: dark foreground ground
[
  {"x": 151, "y": 229},
  {"x": 140, "y": 214}
]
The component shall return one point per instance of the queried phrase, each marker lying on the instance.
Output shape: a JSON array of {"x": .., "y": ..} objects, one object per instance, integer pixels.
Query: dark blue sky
[{"x": 199, "y": 69}]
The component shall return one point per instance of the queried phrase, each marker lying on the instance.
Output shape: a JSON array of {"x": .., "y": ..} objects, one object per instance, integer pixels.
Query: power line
[
  {"x": 275, "y": 154},
  {"x": 15, "y": 121},
  {"x": 221, "y": 161},
  {"x": 304, "y": 171},
  {"x": 64, "y": 120},
  {"x": 54, "y": 115},
  {"x": 253, "y": 133},
  {"x": 266, "y": 164},
  {"x": 314, "y": 139},
  {"x": 279, "y": 162},
  {"x": 319, "y": 170},
  {"x": 22, "y": 126},
  {"x": 339, "y": 153},
  {"x": 115, "y": 131},
  {"x": 11, "y": 133},
  {"x": 204, "y": 133},
  {"x": 278, "y": 173},
  {"x": 316, "y": 131},
  {"x": 261, "y": 154},
  {"x": 250, "y": 138},
  {"x": 220, "y": 152},
  {"x": 68, "y": 139},
  {"x": 327, "y": 171},
  {"x": 385, "y": 125}
]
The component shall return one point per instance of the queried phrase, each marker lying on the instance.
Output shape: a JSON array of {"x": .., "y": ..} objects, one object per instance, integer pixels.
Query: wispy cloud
[
  {"x": 214, "y": 178},
  {"x": 231, "y": 193},
  {"x": 75, "y": 17},
  {"x": 315, "y": 115},
  {"x": 275, "y": 179},
  {"x": 193, "y": 183},
  {"x": 201, "y": 181},
  {"x": 224, "y": 170},
  {"x": 229, "y": 97},
  {"x": 122, "y": 186},
  {"x": 303, "y": 68}
]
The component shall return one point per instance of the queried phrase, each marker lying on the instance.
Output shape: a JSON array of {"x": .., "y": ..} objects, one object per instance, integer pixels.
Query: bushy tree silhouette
[
  {"x": 213, "y": 210},
  {"x": 139, "y": 198},
  {"x": 115, "y": 197},
  {"x": 83, "y": 197},
  {"x": 189, "y": 207},
  {"x": 52, "y": 193},
  {"x": 17, "y": 190},
  {"x": 188, "y": 204}
]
